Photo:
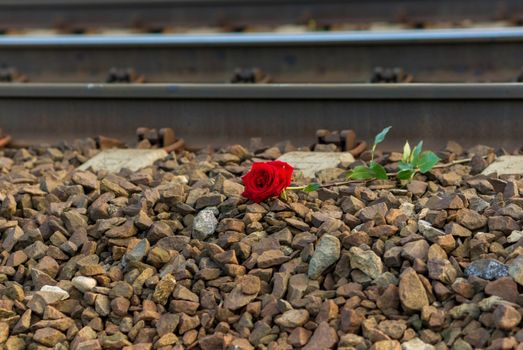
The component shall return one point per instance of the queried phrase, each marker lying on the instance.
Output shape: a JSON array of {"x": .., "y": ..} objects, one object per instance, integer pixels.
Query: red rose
[{"x": 266, "y": 180}]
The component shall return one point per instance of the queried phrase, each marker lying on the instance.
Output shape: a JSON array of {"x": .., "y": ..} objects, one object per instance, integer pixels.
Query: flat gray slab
[
  {"x": 311, "y": 162},
  {"x": 114, "y": 160},
  {"x": 505, "y": 165}
]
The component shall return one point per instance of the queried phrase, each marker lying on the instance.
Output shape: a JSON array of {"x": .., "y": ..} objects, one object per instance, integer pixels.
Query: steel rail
[
  {"x": 223, "y": 114},
  {"x": 510, "y": 91},
  {"x": 432, "y": 56},
  {"x": 430, "y": 36}
]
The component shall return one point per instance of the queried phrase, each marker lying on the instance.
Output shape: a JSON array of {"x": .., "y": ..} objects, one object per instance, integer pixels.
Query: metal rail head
[
  {"x": 467, "y": 113},
  {"x": 470, "y": 55}
]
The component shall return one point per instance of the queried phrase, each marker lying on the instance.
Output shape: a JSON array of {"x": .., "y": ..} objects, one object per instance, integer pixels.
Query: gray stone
[
  {"x": 428, "y": 231},
  {"x": 204, "y": 224},
  {"x": 478, "y": 204},
  {"x": 488, "y": 269},
  {"x": 114, "y": 160},
  {"x": 327, "y": 253},
  {"x": 515, "y": 270},
  {"x": 366, "y": 261},
  {"x": 138, "y": 252},
  {"x": 309, "y": 163}
]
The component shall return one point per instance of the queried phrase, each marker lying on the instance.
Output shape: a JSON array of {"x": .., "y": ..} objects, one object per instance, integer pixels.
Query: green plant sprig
[
  {"x": 373, "y": 170},
  {"x": 412, "y": 162},
  {"x": 416, "y": 161}
]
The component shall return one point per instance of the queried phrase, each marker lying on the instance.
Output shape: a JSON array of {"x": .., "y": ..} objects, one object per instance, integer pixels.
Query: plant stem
[
  {"x": 372, "y": 153},
  {"x": 348, "y": 182},
  {"x": 443, "y": 165},
  {"x": 295, "y": 188},
  {"x": 454, "y": 162},
  {"x": 341, "y": 183}
]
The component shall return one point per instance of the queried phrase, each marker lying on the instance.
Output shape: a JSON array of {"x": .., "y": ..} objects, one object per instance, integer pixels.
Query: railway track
[
  {"x": 225, "y": 114},
  {"x": 82, "y": 15},
  {"x": 430, "y": 56}
]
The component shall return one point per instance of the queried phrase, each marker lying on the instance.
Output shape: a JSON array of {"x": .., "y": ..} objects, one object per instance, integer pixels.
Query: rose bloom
[{"x": 266, "y": 180}]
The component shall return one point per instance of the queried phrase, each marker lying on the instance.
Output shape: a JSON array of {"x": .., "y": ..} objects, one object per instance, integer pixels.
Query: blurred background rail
[
  {"x": 240, "y": 15},
  {"x": 217, "y": 70}
]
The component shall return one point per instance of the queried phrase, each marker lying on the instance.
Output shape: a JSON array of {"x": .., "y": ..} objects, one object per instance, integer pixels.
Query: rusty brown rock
[
  {"x": 412, "y": 293},
  {"x": 324, "y": 337}
]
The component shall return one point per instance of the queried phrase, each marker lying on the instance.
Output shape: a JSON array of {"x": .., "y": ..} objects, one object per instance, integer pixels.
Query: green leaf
[
  {"x": 405, "y": 174},
  {"x": 312, "y": 187},
  {"x": 361, "y": 173},
  {"x": 405, "y": 166},
  {"x": 379, "y": 171},
  {"x": 406, "y": 152},
  {"x": 427, "y": 161},
  {"x": 414, "y": 157},
  {"x": 381, "y": 136}
]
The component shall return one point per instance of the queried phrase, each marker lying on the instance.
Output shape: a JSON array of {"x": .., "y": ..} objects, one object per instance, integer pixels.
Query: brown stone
[
  {"x": 504, "y": 287},
  {"x": 506, "y": 317},
  {"x": 386, "y": 345},
  {"x": 271, "y": 258},
  {"x": 411, "y": 291},
  {"x": 299, "y": 337},
  {"x": 324, "y": 337},
  {"x": 470, "y": 219},
  {"x": 48, "y": 336}
]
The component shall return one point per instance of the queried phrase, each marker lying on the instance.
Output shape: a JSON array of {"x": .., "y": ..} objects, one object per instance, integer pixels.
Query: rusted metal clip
[
  {"x": 104, "y": 142},
  {"x": 344, "y": 139},
  {"x": 390, "y": 75},
  {"x": 5, "y": 139},
  {"x": 250, "y": 76},
  {"x": 10, "y": 74},
  {"x": 164, "y": 138},
  {"x": 124, "y": 75}
]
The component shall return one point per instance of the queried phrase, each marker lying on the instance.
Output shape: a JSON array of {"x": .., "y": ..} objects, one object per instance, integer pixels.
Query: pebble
[
  {"x": 83, "y": 284},
  {"x": 55, "y": 290},
  {"x": 323, "y": 337},
  {"x": 515, "y": 236},
  {"x": 366, "y": 261},
  {"x": 506, "y": 317},
  {"x": 327, "y": 252},
  {"x": 48, "y": 336},
  {"x": 412, "y": 293},
  {"x": 417, "y": 344},
  {"x": 515, "y": 270},
  {"x": 488, "y": 269},
  {"x": 292, "y": 318},
  {"x": 504, "y": 288},
  {"x": 204, "y": 224}
]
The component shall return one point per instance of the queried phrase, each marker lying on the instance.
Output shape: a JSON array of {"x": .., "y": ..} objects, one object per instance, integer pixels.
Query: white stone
[
  {"x": 113, "y": 160},
  {"x": 515, "y": 236},
  {"x": 505, "y": 165},
  {"x": 83, "y": 284},
  {"x": 417, "y": 344},
  {"x": 55, "y": 290},
  {"x": 309, "y": 163}
]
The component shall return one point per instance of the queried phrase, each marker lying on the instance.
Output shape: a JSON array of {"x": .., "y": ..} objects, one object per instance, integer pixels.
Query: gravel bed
[{"x": 172, "y": 256}]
